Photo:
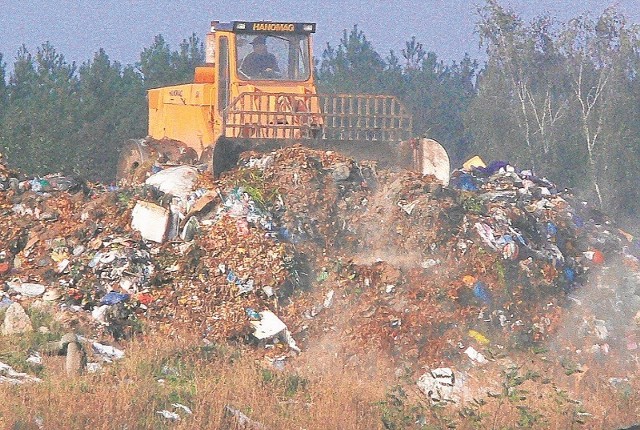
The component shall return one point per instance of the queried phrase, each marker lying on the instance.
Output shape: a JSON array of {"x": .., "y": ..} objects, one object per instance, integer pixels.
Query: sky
[{"x": 78, "y": 28}]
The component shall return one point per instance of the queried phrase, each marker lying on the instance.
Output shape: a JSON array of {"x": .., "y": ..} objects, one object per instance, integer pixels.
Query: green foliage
[
  {"x": 527, "y": 418},
  {"x": 41, "y": 116},
  {"x": 113, "y": 110},
  {"x": 56, "y": 117},
  {"x": 562, "y": 100},
  {"x": 436, "y": 93},
  {"x": 353, "y": 66},
  {"x": 3, "y": 86},
  {"x": 397, "y": 412},
  {"x": 160, "y": 66}
]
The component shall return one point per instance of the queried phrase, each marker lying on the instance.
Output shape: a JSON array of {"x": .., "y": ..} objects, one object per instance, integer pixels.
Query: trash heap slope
[{"x": 386, "y": 261}]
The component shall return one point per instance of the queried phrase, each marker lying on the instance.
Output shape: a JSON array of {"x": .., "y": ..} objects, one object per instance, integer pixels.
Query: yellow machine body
[{"x": 194, "y": 113}]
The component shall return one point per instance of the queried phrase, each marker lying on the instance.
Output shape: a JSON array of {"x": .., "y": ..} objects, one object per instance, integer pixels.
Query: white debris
[
  {"x": 183, "y": 407},
  {"x": 150, "y": 220},
  {"x": 439, "y": 385},
  {"x": 171, "y": 416},
  {"x": 34, "y": 358},
  {"x": 241, "y": 420},
  {"x": 108, "y": 353},
  {"x": 601, "y": 329},
  {"x": 407, "y": 207},
  {"x": 93, "y": 367},
  {"x": 475, "y": 355},
  {"x": 177, "y": 181},
  {"x": 290, "y": 341},
  {"x": 27, "y": 289},
  {"x": 328, "y": 299},
  {"x": 428, "y": 264},
  {"x": 9, "y": 375},
  {"x": 268, "y": 326}
]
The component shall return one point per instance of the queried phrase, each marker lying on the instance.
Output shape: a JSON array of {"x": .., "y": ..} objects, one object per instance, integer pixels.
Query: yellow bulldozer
[{"x": 256, "y": 91}]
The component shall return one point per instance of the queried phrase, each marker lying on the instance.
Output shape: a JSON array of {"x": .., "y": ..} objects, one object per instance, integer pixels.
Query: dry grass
[
  {"x": 319, "y": 394},
  {"x": 159, "y": 372}
]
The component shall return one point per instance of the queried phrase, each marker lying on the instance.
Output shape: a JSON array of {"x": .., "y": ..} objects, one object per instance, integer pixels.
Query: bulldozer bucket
[{"x": 365, "y": 127}]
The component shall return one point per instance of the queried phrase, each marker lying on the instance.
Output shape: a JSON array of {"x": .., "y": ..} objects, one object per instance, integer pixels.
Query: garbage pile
[{"x": 298, "y": 243}]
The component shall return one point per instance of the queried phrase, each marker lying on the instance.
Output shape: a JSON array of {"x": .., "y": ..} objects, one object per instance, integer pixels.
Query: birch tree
[{"x": 598, "y": 55}]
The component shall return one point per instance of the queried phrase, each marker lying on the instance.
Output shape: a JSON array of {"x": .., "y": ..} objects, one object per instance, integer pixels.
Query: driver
[{"x": 260, "y": 61}]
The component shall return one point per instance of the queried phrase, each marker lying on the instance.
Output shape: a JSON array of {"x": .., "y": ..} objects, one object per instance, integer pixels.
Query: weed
[
  {"x": 471, "y": 415},
  {"x": 527, "y": 417},
  {"x": 473, "y": 205},
  {"x": 267, "y": 376},
  {"x": 396, "y": 412},
  {"x": 513, "y": 379},
  {"x": 539, "y": 349},
  {"x": 570, "y": 367},
  {"x": 293, "y": 383}
]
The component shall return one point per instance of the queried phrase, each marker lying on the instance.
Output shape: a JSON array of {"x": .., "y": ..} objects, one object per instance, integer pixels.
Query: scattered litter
[
  {"x": 475, "y": 355},
  {"x": 34, "y": 358},
  {"x": 439, "y": 385},
  {"x": 108, "y": 353},
  {"x": 183, "y": 407},
  {"x": 10, "y": 376},
  {"x": 237, "y": 419},
  {"x": 171, "y": 416}
]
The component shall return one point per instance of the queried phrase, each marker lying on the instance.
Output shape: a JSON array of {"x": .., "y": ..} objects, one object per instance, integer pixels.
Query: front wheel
[{"x": 135, "y": 159}]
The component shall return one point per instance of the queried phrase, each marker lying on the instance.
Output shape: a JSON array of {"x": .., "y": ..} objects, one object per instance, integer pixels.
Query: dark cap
[{"x": 259, "y": 40}]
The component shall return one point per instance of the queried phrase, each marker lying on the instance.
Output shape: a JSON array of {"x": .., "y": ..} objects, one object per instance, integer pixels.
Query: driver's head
[{"x": 259, "y": 43}]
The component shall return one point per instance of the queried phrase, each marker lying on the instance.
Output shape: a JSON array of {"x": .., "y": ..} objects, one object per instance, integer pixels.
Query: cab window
[{"x": 273, "y": 56}]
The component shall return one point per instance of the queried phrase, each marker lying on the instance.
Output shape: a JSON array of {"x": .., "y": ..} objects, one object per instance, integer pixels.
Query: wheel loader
[{"x": 238, "y": 103}]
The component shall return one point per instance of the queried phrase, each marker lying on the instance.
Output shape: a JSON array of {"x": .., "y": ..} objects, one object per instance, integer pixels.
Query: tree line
[
  {"x": 57, "y": 117},
  {"x": 560, "y": 98}
]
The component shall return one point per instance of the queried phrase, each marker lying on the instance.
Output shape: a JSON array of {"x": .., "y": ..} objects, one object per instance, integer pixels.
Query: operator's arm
[
  {"x": 273, "y": 63},
  {"x": 248, "y": 66}
]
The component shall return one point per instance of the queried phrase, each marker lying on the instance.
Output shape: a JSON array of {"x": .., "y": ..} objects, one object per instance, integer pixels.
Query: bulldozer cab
[
  {"x": 265, "y": 53},
  {"x": 264, "y": 79}
]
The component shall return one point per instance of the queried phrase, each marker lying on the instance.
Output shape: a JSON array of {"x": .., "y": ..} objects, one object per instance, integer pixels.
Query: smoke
[{"x": 599, "y": 327}]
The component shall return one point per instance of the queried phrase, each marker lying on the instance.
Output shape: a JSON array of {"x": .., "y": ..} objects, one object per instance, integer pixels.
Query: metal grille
[{"x": 336, "y": 117}]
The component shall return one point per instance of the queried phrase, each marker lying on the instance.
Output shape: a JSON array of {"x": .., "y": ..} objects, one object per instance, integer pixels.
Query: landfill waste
[
  {"x": 439, "y": 385},
  {"x": 16, "y": 321},
  {"x": 303, "y": 244},
  {"x": 171, "y": 416},
  {"x": 10, "y": 376},
  {"x": 235, "y": 418}
]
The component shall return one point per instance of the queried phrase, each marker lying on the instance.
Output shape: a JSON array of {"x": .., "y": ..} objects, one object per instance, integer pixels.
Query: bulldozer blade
[
  {"x": 422, "y": 155},
  {"x": 433, "y": 160}
]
